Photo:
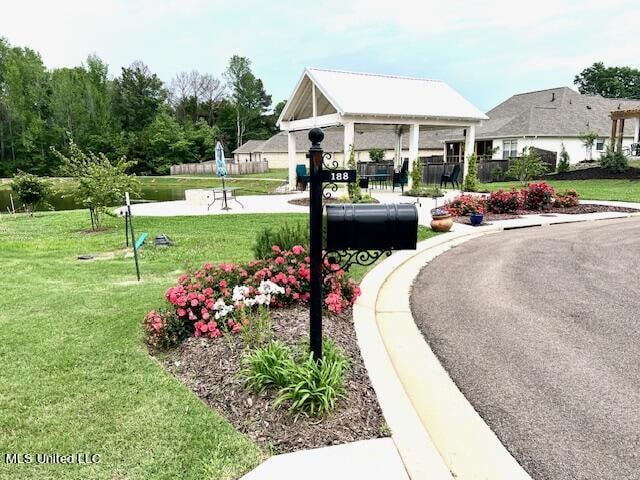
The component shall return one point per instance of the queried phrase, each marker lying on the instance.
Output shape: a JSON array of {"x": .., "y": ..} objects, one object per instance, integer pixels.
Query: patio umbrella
[{"x": 221, "y": 171}]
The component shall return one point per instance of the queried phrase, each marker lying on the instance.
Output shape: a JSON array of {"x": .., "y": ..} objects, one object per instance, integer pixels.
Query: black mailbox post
[
  {"x": 355, "y": 233},
  {"x": 372, "y": 227}
]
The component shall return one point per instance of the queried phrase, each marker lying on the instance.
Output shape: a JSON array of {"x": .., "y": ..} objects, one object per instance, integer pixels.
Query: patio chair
[
  {"x": 401, "y": 178},
  {"x": 302, "y": 178},
  {"x": 451, "y": 177},
  {"x": 381, "y": 175}
]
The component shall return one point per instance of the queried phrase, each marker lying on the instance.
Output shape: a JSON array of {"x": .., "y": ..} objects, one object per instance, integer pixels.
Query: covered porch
[{"x": 368, "y": 102}]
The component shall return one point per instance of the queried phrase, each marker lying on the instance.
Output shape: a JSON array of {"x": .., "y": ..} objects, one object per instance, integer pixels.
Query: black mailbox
[{"x": 372, "y": 227}]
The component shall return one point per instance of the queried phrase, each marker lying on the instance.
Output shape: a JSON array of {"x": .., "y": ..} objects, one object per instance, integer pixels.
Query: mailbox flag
[{"x": 221, "y": 168}]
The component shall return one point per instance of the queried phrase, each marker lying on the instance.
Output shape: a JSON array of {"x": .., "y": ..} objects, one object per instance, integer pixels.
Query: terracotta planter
[{"x": 441, "y": 223}]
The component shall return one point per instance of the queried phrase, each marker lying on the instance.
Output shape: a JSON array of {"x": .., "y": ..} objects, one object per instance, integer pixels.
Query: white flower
[
  {"x": 240, "y": 292},
  {"x": 268, "y": 287}
]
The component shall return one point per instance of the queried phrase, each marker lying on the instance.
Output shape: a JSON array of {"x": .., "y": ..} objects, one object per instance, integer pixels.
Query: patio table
[{"x": 224, "y": 195}]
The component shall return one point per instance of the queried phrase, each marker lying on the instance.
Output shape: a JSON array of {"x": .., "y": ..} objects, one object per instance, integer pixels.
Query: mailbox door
[{"x": 372, "y": 227}]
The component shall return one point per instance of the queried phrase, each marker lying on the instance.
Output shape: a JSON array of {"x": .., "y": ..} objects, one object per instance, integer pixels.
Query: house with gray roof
[{"x": 545, "y": 119}]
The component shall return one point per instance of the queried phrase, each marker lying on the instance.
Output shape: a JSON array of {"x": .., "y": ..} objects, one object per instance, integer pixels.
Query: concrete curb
[{"x": 438, "y": 433}]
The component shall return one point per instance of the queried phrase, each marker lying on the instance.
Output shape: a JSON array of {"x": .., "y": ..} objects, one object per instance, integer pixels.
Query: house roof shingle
[
  {"x": 250, "y": 146},
  {"x": 555, "y": 112}
]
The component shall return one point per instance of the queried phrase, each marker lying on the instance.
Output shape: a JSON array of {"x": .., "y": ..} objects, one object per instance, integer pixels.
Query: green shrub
[
  {"x": 416, "y": 174},
  {"x": 353, "y": 188},
  {"x": 268, "y": 367},
  {"x": 32, "y": 191},
  {"x": 314, "y": 387},
  {"x": 564, "y": 165},
  {"x": 497, "y": 174},
  {"x": 614, "y": 160},
  {"x": 423, "y": 191},
  {"x": 526, "y": 167},
  {"x": 470, "y": 183},
  {"x": 164, "y": 329},
  {"x": 376, "y": 154},
  {"x": 285, "y": 236}
]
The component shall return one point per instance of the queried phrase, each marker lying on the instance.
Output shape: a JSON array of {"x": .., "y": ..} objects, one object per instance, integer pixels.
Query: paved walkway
[
  {"x": 367, "y": 459},
  {"x": 541, "y": 334},
  {"x": 271, "y": 204}
]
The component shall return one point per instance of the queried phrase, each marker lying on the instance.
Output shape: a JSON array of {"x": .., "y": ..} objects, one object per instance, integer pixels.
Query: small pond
[{"x": 61, "y": 202}]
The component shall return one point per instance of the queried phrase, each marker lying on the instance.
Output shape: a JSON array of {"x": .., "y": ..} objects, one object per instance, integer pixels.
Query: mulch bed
[
  {"x": 304, "y": 202},
  {"x": 582, "y": 208},
  {"x": 595, "y": 173},
  {"x": 210, "y": 368}
]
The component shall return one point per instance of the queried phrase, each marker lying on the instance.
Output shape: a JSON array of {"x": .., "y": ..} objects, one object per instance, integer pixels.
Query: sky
[{"x": 487, "y": 50}]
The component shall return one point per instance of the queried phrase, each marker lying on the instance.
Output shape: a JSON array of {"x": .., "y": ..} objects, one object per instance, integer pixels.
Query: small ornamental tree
[
  {"x": 355, "y": 195},
  {"x": 564, "y": 164},
  {"x": 588, "y": 139},
  {"x": 527, "y": 166},
  {"x": 416, "y": 175},
  {"x": 101, "y": 182},
  {"x": 470, "y": 183},
  {"x": 376, "y": 154},
  {"x": 32, "y": 191}
]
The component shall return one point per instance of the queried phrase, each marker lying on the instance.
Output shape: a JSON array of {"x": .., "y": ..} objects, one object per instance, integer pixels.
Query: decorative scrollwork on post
[
  {"x": 328, "y": 188},
  {"x": 329, "y": 162},
  {"x": 346, "y": 258}
]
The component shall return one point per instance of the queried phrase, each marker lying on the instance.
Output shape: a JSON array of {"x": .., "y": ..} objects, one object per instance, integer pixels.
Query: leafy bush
[
  {"x": 285, "y": 236},
  {"x": 376, "y": 154},
  {"x": 165, "y": 329},
  {"x": 465, "y": 204},
  {"x": 537, "y": 196},
  {"x": 423, "y": 191},
  {"x": 527, "y": 166},
  {"x": 267, "y": 367},
  {"x": 32, "y": 191},
  {"x": 614, "y": 160},
  {"x": 567, "y": 198},
  {"x": 504, "y": 202},
  {"x": 313, "y": 387},
  {"x": 416, "y": 174},
  {"x": 470, "y": 183},
  {"x": 564, "y": 165},
  {"x": 353, "y": 188},
  {"x": 497, "y": 175},
  {"x": 101, "y": 183}
]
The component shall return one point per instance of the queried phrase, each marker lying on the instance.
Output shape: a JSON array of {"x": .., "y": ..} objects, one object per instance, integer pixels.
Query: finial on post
[{"x": 316, "y": 135}]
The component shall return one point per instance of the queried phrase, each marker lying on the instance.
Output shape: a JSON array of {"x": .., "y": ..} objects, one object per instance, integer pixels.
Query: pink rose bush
[{"x": 218, "y": 299}]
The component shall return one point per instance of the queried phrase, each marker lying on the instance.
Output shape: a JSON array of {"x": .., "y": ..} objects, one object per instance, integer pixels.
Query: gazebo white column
[
  {"x": 414, "y": 137},
  {"x": 291, "y": 153},
  {"x": 469, "y": 145},
  {"x": 349, "y": 139},
  {"x": 636, "y": 133}
]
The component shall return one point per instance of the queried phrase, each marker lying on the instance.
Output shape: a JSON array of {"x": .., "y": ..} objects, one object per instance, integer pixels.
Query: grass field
[
  {"x": 76, "y": 376},
  {"x": 622, "y": 190}
]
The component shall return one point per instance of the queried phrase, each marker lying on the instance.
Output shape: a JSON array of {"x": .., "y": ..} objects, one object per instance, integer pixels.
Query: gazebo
[{"x": 360, "y": 101}]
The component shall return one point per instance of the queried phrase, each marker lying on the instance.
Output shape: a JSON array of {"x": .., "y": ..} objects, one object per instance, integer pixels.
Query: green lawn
[
  {"x": 623, "y": 190},
  {"x": 76, "y": 376}
]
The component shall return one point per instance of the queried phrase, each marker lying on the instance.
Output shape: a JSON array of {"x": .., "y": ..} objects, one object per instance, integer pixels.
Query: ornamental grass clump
[{"x": 307, "y": 386}]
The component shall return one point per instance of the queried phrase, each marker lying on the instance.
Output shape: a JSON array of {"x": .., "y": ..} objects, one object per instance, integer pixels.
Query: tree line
[{"x": 133, "y": 114}]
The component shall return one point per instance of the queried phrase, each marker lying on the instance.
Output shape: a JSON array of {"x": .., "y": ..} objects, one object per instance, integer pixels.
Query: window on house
[
  {"x": 600, "y": 144},
  {"x": 509, "y": 149}
]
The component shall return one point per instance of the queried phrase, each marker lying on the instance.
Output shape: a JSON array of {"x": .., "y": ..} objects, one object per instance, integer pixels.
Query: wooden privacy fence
[{"x": 209, "y": 168}]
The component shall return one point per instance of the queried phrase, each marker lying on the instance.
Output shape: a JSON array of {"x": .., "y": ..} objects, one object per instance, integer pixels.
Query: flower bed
[{"x": 219, "y": 299}]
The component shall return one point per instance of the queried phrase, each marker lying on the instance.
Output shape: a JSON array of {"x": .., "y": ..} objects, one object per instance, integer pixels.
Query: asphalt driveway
[{"x": 540, "y": 329}]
